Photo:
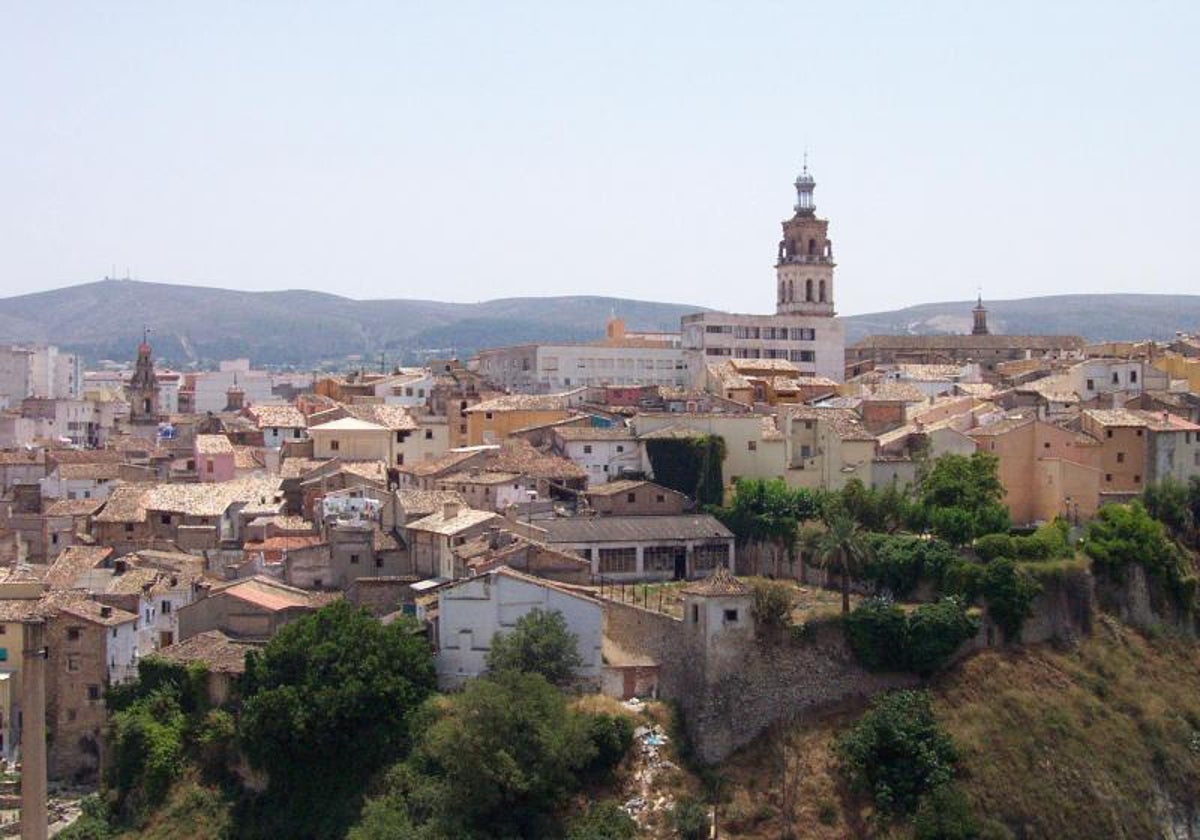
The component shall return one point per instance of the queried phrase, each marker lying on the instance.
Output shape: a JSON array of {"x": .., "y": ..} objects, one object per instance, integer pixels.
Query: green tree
[
  {"x": 690, "y": 819},
  {"x": 960, "y": 497},
  {"x": 841, "y": 548},
  {"x": 1124, "y": 535},
  {"x": 768, "y": 512},
  {"x": 540, "y": 643},
  {"x": 510, "y": 749},
  {"x": 1009, "y": 591},
  {"x": 327, "y": 704},
  {"x": 897, "y": 752},
  {"x": 772, "y": 603},
  {"x": 1169, "y": 502}
]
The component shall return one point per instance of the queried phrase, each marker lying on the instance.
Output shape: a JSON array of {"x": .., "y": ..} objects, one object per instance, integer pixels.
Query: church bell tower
[
  {"x": 143, "y": 387},
  {"x": 804, "y": 265}
]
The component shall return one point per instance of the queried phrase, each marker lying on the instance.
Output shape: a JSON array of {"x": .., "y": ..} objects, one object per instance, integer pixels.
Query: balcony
[{"x": 806, "y": 259}]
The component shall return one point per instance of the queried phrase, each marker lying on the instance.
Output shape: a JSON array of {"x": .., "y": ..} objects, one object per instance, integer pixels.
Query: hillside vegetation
[{"x": 304, "y": 328}]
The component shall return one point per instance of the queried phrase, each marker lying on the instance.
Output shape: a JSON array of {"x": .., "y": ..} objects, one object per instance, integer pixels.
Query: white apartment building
[
  {"x": 804, "y": 329},
  {"x": 619, "y": 359},
  {"x": 38, "y": 372}
]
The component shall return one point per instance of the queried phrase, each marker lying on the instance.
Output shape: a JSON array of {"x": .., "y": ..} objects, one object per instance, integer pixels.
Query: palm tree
[
  {"x": 842, "y": 547},
  {"x": 808, "y": 544}
]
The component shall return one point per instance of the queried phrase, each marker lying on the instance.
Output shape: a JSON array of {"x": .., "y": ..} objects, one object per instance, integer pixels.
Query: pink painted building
[{"x": 215, "y": 458}]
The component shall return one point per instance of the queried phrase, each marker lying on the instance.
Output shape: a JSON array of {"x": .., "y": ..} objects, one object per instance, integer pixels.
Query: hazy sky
[{"x": 464, "y": 151}]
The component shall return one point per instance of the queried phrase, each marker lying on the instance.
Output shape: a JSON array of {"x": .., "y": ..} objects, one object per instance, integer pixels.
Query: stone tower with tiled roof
[{"x": 143, "y": 388}]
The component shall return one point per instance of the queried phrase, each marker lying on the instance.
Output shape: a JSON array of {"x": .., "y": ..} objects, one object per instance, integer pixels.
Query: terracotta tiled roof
[
  {"x": 213, "y": 499},
  {"x": 103, "y": 471},
  {"x": 1116, "y": 417},
  {"x": 213, "y": 445},
  {"x": 126, "y": 503},
  {"x": 394, "y": 417},
  {"x": 22, "y": 457},
  {"x": 425, "y": 502},
  {"x": 525, "y": 402},
  {"x": 220, "y": 653},
  {"x": 433, "y": 466},
  {"x": 519, "y": 456},
  {"x": 98, "y": 613},
  {"x": 74, "y": 507},
  {"x": 594, "y": 433},
  {"x": 479, "y": 477},
  {"x": 270, "y": 594},
  {"x": 73, "y": 561},
  {"x": 845, "y": 422},
  {"x": 277, "y": 416},
  {"x": 720, "y": 582}
]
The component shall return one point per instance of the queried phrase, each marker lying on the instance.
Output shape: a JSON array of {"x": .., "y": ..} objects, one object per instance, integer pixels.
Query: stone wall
[{"x": 735, "y": 692}]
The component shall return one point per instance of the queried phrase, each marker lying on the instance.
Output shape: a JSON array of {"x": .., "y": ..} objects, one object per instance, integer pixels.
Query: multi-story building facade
[
  {"x": 619, "y": 359},
  {"x": 38, "y": 372},
  {"x": 804, "y": 329}
]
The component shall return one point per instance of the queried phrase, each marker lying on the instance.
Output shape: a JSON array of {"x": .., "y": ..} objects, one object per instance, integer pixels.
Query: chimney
[{"x": 450, "y": 510}]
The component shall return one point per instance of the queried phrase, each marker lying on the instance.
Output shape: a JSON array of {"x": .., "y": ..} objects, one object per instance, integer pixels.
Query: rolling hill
[{"x": 200, "y": 325}]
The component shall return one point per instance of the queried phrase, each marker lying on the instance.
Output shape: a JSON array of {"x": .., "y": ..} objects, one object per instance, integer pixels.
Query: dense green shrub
[
  {"x": 897, "y": 752},
  {"x": 690, "y": 819},
  {"x": 327, "y": 704},
  {"x": 772, "y": 606},
  {"x": 147, "y": 749},
  {"x": 611, "y": 736},
  {"x": 1124, "y": 535},
  {"x": 93, "y": 822},
  {"x": 990, "y": 546},
  {"x": 897, "y": 563},
  {"x": 877, "y": 631},
  {"x": 603, "y": 821},
  {"x": 945, "y": 814},
  {"x": 885, "y": 638},
  {"x": 935, "y": 632},
  {"x": 540, "y": 643},
  {"x": 1008, "y": 591}
]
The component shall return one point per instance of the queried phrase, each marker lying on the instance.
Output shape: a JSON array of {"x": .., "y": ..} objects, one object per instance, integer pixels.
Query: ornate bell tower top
[
  {"x": 804, "y": 262},
  {"x": 805, "y": 185},
  {"x": 143, "y": 386}
]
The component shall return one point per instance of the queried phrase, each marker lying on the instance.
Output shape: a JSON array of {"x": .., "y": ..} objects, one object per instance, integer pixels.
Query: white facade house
[
  {"x": 472, "y": 611},
  {"x": 606, "y": 453},
  {"x": 1097, "y": 377}
]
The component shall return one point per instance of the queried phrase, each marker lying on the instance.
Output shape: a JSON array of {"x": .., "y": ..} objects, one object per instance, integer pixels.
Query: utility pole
[{"x": 34, "y": 819}]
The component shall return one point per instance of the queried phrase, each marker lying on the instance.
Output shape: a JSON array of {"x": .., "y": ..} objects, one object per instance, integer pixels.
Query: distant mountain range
[{"x": 193, "y": 324}]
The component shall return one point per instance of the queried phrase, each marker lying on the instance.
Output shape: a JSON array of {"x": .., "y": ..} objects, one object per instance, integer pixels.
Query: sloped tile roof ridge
[{"x": 720, "y": 582}]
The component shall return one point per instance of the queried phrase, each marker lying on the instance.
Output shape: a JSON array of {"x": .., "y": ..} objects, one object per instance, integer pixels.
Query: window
[
  {"x": 165, "y": 519},
  {"x": 752, "y": 445},
  {"x": 1137, "y": 479},
  {"x": 695, "y": 613},
  {"x": 731, "y": 616},
  {"x": 1046, "y": 445},
  {"x": 378, "y": 562},
  {"x": 1139, "y": 432},
  {"x": 72, "y": 634},
  {"x": 54, "y": 539},
  {"x": 429, "y": 434},
  {"x": 659, "y": 558},
  {"x": 1108, "y": 477},
  {"x": 93, "y": 693},
  {"x": 128, "y": 527},
  {"x": 295, "y": 434},
  {"x": 587, "y": 449},
  {"x": 1091, "y": 384},
  {"x": 707, "y": 557},
  {"x": 487, "y": 415},
  {"x": 354, "y": 558},
  {"x": 317, "y": 583},
  {"x": 208, "y": 465},
  {"x": 334, "y": 446},
  {"x": 660, "y": 498},
  {"x": 399, "y": 457},
  {"x": 3, "y": 654},
  {"x": 72, "y": 663},
  {"x": 620, "y": 448},
  {"x": 166, "y": 608},
  {"x": 1116, "y": 378},
  {"x": 631, "y": 497},
  {"x": 1108, "y": 433},
  {"x": 1120, "y": 457},
  {"x": 618, "y": 560},
  {"x": 1133, "y": 376}
]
